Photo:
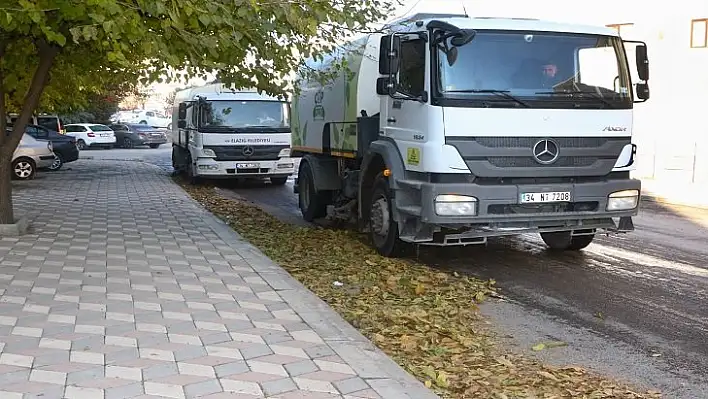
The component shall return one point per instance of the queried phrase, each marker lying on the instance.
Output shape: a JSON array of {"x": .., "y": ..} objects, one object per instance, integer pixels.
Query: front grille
[
  {"x": 512, "y": 157},
  {"x": 535, "y": 209},
  {"x": 235, "y": 152},
  {"x": 528, "y": 162},
  {"x": 529, "y": 142}
]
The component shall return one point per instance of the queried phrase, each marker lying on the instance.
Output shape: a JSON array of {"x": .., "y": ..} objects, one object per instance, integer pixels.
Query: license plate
[
  {"x": 247, "y": 165},
  {"x": 105, "y": 134},
  {"x": 553, "y": 196}
]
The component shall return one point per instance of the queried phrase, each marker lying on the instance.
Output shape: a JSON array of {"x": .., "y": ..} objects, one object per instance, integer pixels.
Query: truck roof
[
  {"x": 520, "y": 24},
  {"x": 218, "y": 91}
]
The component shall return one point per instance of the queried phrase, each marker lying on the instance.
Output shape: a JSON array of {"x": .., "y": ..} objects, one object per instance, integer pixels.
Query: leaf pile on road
[{"x": 425, "y": 319}]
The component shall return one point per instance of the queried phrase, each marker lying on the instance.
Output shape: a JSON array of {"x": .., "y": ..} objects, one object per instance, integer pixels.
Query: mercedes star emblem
[
  {"x": 546, "y": 152},
  {"x": 248, "y": 151}
]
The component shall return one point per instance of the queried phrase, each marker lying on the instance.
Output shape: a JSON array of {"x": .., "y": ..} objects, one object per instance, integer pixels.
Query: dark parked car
[
  {"x": 64, "y": 146},
  {"x": 131, "y": 135}
]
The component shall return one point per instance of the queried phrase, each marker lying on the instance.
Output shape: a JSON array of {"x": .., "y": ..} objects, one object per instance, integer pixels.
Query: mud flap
[{"x": 625, "y": 224}]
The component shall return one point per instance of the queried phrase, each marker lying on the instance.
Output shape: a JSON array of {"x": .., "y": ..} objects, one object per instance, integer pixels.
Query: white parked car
[
  {"x": 91, "y": 135},
  {"x": 144, "y": 117},
  {"x": 31, "y": 154}
]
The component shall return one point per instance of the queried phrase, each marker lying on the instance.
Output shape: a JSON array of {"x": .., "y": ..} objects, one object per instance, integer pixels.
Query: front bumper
[
  {"x": 499, "y": 211},
  {"x": 152, "y": 140},
  {"x": 208, "y": 167},
  {"x": 68, "y": 152}
]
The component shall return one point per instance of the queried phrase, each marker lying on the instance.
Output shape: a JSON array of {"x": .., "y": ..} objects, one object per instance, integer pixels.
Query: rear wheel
[
  {"x": 143, "y": 122},
  {"x": 154, "y": 145},
  {"x": 565, "y": 241},
  {"x": 23, "y": 169},
  {"x": 81, "y": 145},
  {"x": 313, "y": 204},
  {"x": 278, "y": 181},
  {"x": 128, "y": 143},
  {"x": 384, "y": 230},
  {"x": 58, "y": 162}
]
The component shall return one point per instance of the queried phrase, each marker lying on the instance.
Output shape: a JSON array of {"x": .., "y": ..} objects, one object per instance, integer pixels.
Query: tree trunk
[
  {"x": 6, "y": 210},
  {"x": 6, "y": 214},
  {"x": 8, "y": 143}
]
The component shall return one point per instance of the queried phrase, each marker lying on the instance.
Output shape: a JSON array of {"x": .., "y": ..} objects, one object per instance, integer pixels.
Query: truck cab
[
  {"x": 482, "y": 127},
  {"x": 219, "y": 133}
]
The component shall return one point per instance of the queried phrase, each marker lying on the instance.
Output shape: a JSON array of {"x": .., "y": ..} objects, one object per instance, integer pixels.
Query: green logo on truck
[{"x": 318, "y": 112}]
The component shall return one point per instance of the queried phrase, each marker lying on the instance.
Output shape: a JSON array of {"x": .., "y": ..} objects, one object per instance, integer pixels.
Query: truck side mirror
[
  {"x": 182, "y": 124},
  {"x": 389, "y": 54},
  {"x": 642, "y": 90},
  {"x": 642, "y": 62},
  {"x": 182, "y": 113},
  {"x": 386, "y": 86}
]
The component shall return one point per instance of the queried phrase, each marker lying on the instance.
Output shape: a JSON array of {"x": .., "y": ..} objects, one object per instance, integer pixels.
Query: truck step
[
  {"x": 410, "y": 183},
  {"x": 415, "y": 210}
]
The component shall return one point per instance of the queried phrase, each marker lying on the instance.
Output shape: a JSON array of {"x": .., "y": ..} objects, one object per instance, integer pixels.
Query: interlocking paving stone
[{"x": 125, "y": 287}]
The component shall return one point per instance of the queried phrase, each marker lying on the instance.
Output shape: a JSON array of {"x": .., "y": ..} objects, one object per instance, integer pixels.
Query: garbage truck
[
  {"x": 219, "y": 132},
  {"x": 447, "y": 130}
]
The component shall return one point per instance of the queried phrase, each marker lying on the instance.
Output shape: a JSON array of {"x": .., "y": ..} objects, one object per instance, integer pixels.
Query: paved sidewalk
[{"x": 126, "y": 288}]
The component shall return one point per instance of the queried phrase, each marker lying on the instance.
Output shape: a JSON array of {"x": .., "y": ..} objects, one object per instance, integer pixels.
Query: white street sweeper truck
[{"x": 447, "y": 130}]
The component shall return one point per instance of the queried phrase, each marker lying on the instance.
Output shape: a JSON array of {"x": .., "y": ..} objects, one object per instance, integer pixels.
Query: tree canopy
[{"x": 68, "y": 49}]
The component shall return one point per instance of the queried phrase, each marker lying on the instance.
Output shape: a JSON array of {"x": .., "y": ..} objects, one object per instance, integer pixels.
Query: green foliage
[
  {"x": 62, "y": 51},
  {"x": 193, "y": 37}
]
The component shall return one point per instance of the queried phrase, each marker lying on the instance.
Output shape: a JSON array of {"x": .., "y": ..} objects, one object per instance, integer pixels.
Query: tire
[
  {"x": 169, "y": 126},
  {"x": 153, "y": 146},
  {"x": 191, "y": 178},
  {"x": 81, "y": 145},
  {"x": 128, "y": 143},
  {"x": 58, "y": 162},
  {"x": 383, "y": 229},
  {"x": 23, "y": 169},
  {"x": 143, "y": 122},
  {"x": 313, "y": 204},
  {"x": 178, "y": 169},
  {"x": 278, "y": 181},
  {"x": 564, "y": 241}
]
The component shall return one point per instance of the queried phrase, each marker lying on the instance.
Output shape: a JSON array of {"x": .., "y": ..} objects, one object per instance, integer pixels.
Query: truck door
[{"x": 405, "y": 120}]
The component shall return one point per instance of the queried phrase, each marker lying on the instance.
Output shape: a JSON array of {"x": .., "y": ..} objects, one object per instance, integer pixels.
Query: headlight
[
  {"x": 623, "y": 200},
  {"x": 50, "y": 146},
  {"x": 455, "y": 205},
  {"x": 285, "y": 152},
  {"x": 208, "y": 153}
]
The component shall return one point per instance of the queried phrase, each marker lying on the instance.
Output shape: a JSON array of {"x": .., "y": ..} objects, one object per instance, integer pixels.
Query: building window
[
  {"x": 622, "y": 29},
  {"x": 699, "y": 33}
]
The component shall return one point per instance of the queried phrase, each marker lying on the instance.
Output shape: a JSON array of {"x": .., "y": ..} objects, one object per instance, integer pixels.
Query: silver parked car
[{"x": 31, "y": 154}]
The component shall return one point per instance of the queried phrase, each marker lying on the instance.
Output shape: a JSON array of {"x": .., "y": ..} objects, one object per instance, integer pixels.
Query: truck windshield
[
  {"x": 543, "y": 69},
  {"x": 245, "y": 116}
]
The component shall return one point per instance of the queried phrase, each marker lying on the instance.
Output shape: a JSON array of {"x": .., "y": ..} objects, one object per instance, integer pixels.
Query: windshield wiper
[
  {"x": 571, "y": 92},
  {"x": 503, "y": 93}
]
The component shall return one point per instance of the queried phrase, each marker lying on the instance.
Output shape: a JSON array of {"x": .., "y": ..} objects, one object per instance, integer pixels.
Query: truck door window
[{"x": 411, "y": 77}]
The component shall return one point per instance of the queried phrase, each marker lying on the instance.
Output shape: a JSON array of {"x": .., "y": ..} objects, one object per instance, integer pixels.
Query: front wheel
[
  {"x": 313, "y": 203},
  {"x": 153, "y": 146},
  {"x": 565, "y": 241},
  {"x": 383, "y": 228},
  {"x": 278, "y": 181},
  {"x": 192, "y": 178},
  {"x": 128, "y": 143},
  {"x": 23, "y": 169}
]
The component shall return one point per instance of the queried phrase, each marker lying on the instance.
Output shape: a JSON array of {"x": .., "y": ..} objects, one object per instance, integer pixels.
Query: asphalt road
[{"x": 634, "y": 306}]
